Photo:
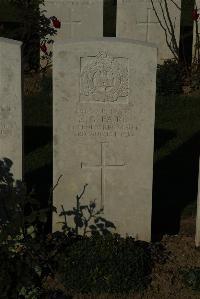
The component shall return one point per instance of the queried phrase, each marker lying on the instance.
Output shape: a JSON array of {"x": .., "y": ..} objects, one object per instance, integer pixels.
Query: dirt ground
[{"x": 167, "y": 282}]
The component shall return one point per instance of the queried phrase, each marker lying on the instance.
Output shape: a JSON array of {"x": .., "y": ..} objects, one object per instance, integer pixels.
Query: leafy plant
[
  {"x": 25, "y": 248},
  {"x": 19, "y": 237},
  {"x": 191, "y": 278},
  {"x": 74, "y": 262},
  {"x": 19, "y": 212},
  {"x": 195, "y": 77},
  {"x": 31, "y": 26},
  {"x": 99, "y": 226},
  {"x": 17, "y": 274},
  {"x": 169, "y": 78},
  {"x": 106, "y": 264}
]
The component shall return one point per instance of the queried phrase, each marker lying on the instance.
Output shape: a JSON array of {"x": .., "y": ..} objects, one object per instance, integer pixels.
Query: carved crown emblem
[{"x": 104, "y": 78}]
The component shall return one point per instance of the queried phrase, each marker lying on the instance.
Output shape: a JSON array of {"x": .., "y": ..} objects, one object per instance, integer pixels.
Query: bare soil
[{"x": 167, "y": 281}]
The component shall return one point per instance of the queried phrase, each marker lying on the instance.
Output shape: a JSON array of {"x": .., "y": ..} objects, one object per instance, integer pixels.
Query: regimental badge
[{"x": 104, "y": 78}]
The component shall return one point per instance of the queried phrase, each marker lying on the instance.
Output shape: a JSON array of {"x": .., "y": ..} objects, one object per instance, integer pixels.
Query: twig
[
  {"x": 176, "y": 4},
  {"x": 54, "y": 187},
  {"x": 172, "y": 28},
  {"x": 65, "y": 216},
  {"x": 174, "y": 47},
  {"x": 79, "y": 196}
]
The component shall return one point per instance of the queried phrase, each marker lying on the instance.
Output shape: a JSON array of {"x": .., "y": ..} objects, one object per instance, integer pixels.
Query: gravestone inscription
[
  {"x": 104, "y": 98},
  {"x": 11, "y": 104}
]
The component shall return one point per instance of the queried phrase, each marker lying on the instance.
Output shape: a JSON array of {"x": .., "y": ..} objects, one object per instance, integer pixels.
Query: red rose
[
  {"x": 56, "y": 23},
  {"x": 43, "y": 48},
  {"x": 195, "y": 14}
]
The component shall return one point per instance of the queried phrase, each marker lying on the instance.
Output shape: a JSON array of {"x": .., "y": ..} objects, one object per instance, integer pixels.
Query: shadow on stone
[{"x": 110, "y": 15}]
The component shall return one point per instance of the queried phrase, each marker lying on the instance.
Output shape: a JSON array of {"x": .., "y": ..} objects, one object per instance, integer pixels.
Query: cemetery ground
[{"x": 177, "y": 146}]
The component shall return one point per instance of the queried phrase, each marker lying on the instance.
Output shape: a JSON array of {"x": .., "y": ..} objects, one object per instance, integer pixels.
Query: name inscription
[{"x": 103, "y": 122}]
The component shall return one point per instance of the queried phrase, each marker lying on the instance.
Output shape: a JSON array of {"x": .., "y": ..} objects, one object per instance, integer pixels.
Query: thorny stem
[
  {"x": 78, "y": 197},
  {"x": 65, "y": 216},
  {"x": 174, "y": 43},
  {"x": 54, "y": 187}
]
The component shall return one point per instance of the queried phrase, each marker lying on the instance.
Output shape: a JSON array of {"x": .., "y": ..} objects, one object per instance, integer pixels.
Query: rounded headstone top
[
  {"x": 10, "y": 41},
  {"x": 107, "y": 39}
]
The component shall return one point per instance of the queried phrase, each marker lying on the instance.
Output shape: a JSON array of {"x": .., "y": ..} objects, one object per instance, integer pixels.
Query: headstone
[
  {"x": 136, "y": 19},
  {"x": 104, "y": 102},
  {"x": 196, "y": 29},
  {"x": 11, "y": 104},
  {"x": 197, "y": 237},
  {"x": 79, "y": 18}
]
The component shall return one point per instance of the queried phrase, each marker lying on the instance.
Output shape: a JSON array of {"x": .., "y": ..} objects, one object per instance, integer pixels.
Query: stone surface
[
  {"x": 194, "y": 28},
  {"x": 136, "y": 19},
  {"x": 104, "y": 98},
  {"x": 11, "y": 104},
  {"x": 79, "y": 18},
  {"x": 197, "y": 237}
]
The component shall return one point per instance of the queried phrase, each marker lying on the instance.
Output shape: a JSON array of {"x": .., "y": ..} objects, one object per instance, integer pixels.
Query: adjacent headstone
[
  {"x": 197, "y": 238},
  {"x": 195, "y": 30},
  {"x": 79, "y": 18},
  {"x": 104, "y": 102},
  {"x": 137, "y": 19},
  {"x": 11, "y": 104}
]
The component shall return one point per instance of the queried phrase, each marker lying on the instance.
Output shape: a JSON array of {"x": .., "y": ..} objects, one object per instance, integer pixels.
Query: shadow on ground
[
  {"x": 174, "y": 187},
  {"x": 39, "y": 179},
  {"x": 162, "y": 136}
]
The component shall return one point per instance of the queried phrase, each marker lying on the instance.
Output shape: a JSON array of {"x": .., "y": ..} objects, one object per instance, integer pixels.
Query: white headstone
[
  {"x": 11, "y": 104},
  {"x": 196, "y": 29},
  {"x": 79, "y": 18},
  {"x": 136, "y": 19},
  {"x": 104, "y": 102}
]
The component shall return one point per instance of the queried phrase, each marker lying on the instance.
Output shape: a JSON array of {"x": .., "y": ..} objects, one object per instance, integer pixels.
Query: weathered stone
[
  {"x": 104, "y": 98},
  {"x": 79, "y": 18},
  {"x": 136, "y": 19},
  {"x": 195, "y": 30},
  {"x": 11, "y": 104}
]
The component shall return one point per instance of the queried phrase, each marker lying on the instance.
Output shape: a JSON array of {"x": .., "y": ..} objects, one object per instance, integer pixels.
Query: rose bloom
[
  {"x": 43, "y": 48},
  {"x": 195, "y": 14},
  {"x": 56, "y": 23}
]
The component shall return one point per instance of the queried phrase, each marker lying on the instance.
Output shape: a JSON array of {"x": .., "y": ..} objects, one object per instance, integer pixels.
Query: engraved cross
[
  {"x": 102, "y": 166},
  {"x": 148, "y": 22},
  {"x": 71, "y": 22}
]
